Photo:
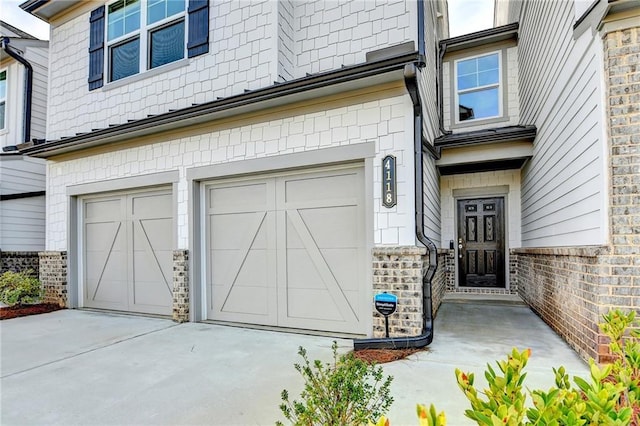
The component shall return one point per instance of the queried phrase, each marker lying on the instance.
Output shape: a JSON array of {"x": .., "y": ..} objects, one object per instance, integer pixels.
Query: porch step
[{"x": 493, "y": 299}]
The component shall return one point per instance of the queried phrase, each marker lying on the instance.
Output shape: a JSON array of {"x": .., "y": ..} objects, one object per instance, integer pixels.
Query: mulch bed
[
  {"x": 381, "y": 356},
  {"x": 16, "y": 311}
]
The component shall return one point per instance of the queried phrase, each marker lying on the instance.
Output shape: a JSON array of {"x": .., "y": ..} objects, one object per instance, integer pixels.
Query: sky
[{"x": 465, "y": 16}]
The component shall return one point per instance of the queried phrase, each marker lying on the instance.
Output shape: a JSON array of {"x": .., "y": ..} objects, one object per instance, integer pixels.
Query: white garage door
[
  {"x": 128, "y": 260},
  {"x": 288, "y": 250}
]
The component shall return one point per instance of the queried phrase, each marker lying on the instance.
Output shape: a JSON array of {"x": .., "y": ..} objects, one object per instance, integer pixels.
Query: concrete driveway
[{"x": 87, "y": 368}]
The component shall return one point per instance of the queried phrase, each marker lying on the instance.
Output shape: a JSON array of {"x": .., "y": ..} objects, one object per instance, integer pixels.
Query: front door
[{"x": 481, "y": 242}]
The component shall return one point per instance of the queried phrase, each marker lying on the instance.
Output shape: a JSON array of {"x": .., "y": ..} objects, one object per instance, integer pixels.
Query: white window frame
[
  {"x": 4, "y": 99},
  {"x": 144, "y": 35},
  {"x": 456, "y": 113}
]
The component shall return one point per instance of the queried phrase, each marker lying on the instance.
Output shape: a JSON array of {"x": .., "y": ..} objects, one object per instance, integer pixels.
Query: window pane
[
  {"x": 124, "y": 17},
  {"x": 467, "y": 67},
  {"x": 479, "y": 104},
  {"x": 158, "y": 10},
  {"x": 488, "y": 77},
  {"x": 489, "y": 62},
  {"x": 2, "y": 115},
  {"x": 467, "y": 81},
  {"x": 125, "y": 59},
  {"x": 167, "y": 45}
]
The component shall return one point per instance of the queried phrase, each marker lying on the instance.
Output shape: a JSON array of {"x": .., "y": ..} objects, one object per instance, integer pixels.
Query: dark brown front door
[{"x": 481, "y": 242}]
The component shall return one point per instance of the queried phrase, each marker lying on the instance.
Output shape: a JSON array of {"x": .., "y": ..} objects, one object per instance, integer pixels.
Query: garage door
[
  {"x": 128, "y": 260},
  {"x": 288, "y": 250}
]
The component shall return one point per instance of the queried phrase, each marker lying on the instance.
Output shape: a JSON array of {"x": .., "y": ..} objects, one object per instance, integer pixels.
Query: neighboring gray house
[
  {"x": 23, "y": 110},
  {"x": 279, "y": 163}
]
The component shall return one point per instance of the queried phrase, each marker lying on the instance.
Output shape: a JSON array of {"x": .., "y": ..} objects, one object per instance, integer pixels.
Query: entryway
[{"x": 481, "y": 243}]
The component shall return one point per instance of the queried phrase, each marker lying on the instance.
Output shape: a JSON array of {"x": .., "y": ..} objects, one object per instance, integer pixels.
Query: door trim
[{"x": 484, "y": 192}]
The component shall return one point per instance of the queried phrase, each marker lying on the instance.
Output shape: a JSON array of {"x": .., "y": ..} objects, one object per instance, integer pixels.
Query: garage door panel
[
  {"x": 151, "y": 206},
  {"x": 301, "y": 272},
  {"x": 103, "y": 210},
  {"x": 320, "y": 189},
  {"x": 247, "y": 301},
  {"x": 226, "y": 230},
  {"x": 332, "y": 227},
  {"x": 311, "y": 304},
  {"x": 247, "y": 197},
  {"x": 341, "y": 262}
]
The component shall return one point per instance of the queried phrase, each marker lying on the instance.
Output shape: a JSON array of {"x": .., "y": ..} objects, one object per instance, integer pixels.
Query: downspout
[
  {"x": 28, "y": 87},
  {"x": 426, "y": 337},
  {"x": 441, "y": 53}
]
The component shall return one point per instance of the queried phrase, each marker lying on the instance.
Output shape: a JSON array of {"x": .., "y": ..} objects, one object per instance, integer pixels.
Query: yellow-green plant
[
  {"x": 18, "y": 288},
  {"x": 609, "y": 396},
  {"x": 345, "y": 392}
]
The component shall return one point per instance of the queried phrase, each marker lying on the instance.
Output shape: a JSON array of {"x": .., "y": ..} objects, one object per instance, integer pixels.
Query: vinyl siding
[
  {"x": 563, "y": 186},
  {"x": 431, "y": 200},
  {"x": 22, "y": 224},
  {"x": 21, "y": 174},
  {"x": 39, "y": 60}
]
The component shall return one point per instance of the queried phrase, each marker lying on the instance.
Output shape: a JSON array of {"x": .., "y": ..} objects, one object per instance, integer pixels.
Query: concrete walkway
[{"x": 86, "y": 368}]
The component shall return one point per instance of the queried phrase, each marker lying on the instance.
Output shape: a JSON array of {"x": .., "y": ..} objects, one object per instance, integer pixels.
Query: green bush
[
  {"x": 19, "y": 288},
  {"x": 347, "y": 392},
  {"x": 610, "y": 396}
]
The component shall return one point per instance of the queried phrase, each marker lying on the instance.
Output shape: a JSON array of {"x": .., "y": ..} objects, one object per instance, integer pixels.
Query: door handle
[{"x": 460, "y": 248}]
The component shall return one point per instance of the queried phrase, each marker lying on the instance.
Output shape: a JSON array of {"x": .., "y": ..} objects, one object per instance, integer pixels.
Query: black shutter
[
  {"x": 198, "y": 42},
  {"x": 96, "y": 48}
]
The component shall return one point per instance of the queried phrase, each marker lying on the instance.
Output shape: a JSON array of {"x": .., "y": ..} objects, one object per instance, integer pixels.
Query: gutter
[
  {"x": 187, "y": 115},
  {"x": 441, "y": 53},
  {"x": 28, "y": 88},
  {"x": 426, "y": 337}
]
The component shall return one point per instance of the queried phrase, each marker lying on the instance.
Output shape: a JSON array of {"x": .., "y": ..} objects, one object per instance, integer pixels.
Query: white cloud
[
  {"x": 12, "y": 14},
  {"x": 468, "y": 16}
]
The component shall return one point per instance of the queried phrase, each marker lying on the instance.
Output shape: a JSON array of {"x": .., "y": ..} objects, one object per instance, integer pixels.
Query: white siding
[
  {"x": 329, "y": 34},
  {"x": 245, "y": 37},
  {"x": 563, "y": 186},
  {"x": 22, "y": 223},
  {"x": 387, "y": 122},
  {"x": 431, "y": 200},
  {"x": 39, "y": 59},
  {"x": 21, "y": 174}
]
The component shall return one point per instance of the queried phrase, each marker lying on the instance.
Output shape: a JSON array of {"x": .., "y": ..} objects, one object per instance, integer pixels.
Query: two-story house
[
  {"x": 23, "y": 109},
  {"x": 280, "y": 163}
]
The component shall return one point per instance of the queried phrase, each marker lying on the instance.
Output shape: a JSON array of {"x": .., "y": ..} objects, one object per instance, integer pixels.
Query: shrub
[
  {"x": 346, "y": 392},
  {"x": 19, "y": 288},
  {"x": 610, "y": 396}
]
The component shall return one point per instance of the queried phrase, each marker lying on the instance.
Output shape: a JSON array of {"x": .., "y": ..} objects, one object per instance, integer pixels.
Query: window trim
[
  {"x": 500, "y": 85},
  {"x": 143, "y": 33},
  {"x": 6, "y": 95}
]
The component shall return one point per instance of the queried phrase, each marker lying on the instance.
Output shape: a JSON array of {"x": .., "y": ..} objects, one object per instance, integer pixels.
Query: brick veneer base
[
  {"x": 53, "y": 276},
  {"x": 399, "y": 270},
  {"x": 181, "y": 285},
  {"x": 17, "y": 261}
]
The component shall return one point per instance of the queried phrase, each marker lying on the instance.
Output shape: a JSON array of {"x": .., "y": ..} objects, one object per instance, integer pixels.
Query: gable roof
[{"x": 8, "y": 30}]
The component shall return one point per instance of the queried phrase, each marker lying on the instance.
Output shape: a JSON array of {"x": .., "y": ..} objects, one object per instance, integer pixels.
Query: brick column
[
  {"x": 399, "y": 270},
  {"x": 621, "y": 283},
  {"x": 181, "y": 285},
  {"x": 53, "y": 276}
]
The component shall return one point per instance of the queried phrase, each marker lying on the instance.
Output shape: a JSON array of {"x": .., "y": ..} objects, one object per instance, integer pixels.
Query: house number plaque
[{"x": 389, "y": 195}]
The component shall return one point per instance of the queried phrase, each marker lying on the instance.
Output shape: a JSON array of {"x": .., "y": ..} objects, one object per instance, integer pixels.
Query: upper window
[
  {"x": 144, "y": 34},
  {"x": 3, "y": 97},
  {"x": 478, "y": 91}
]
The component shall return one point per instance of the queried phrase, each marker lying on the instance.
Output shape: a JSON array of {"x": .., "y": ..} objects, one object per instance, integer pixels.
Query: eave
[
  {"x": 480, "y": 38},
  {"x": 309, "y": 87},
  {"x": 501, "y": 134}
]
